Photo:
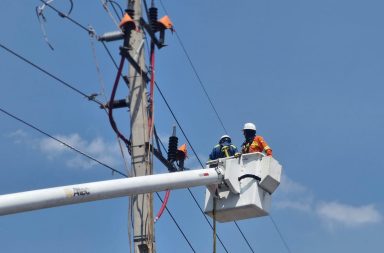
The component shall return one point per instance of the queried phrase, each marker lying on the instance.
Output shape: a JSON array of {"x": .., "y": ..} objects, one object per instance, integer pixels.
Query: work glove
[{"x": 237, "y": 155}]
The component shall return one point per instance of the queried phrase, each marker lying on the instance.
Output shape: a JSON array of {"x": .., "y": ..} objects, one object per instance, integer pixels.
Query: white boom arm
[{"x": 72, "y": 194}]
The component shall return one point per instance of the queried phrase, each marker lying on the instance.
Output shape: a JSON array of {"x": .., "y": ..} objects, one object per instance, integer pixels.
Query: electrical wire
[
  {"x": 102, "y": 93},
  {"x": 105, "y": 6},
  {"x": 93, "y": 159},
  {"x": 189, "y": 190},
  {"x": 89, "y": 97},
  {"x": 197, "y": 157},
  {"x": 222, "y": 124},
  {"x": 185, "y": 136},
  {"x": 63, "y": 15},
  {"x": 75, "y": 89},
  {"x": 60, "y": 141},
  {"x": 113, "y": 3},
  {"x": 160, "y": 212},
  {"x": 243, "y": 235},
  {"x": 196, "y": 74},
  {"x": 170, "y": 214},
  {"x": 280, "y": 234},
  {"x": 41, "y": 18},
  {"x": 110, "y": 106},
  {"x": 202, "y": 86}
]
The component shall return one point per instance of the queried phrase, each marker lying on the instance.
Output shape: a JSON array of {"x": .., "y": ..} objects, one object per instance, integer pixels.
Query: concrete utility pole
[{"x": 142, "y": 205}]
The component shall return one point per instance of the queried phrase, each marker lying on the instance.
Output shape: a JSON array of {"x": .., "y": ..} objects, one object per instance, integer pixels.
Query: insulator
[
  {"x": 153, "y": 18},
  {"x": 172, "y": 148}
]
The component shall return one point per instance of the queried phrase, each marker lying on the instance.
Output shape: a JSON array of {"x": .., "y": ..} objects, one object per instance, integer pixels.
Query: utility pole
[{"x": 142, "y": 205}]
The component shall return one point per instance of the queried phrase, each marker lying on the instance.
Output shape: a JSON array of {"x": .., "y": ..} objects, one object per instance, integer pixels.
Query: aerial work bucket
[{"x": 249, "y": 181}]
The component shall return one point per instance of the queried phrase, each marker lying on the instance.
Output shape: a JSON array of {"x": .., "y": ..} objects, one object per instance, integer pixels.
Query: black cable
[
  {"x": 110, "y": 55},
  {"x": 185, "y": 237},
  {"x": 113, "y": 3},
  {"x": 193, "y": 150},
  {"x": 197, "y": 157},
  {"x": 93, "y": 159},
  {"x": 201, "y": 210},
  {"x": 197, "y": 203},
  {"x": 194, "y": 198},
  {"x": 249, "y": 176},
  {"x": 221, "y": 122},
  {"x": 196, "y": 74},
  {"x": 177, "y": 122},
  {"x": 280, "y": 234},
  {"x": 71, "y": 8},
  {"x": 60, "y": 141},
  {"x": 91, "y": 98},
  {"x": 73, "y": 88},
  {"x": 241, "y": 232},
  {"x": 199, "y": 79},
  {"x": 63, "y": 15}
]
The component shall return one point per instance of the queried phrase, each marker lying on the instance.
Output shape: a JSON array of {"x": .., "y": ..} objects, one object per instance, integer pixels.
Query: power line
[
  {"x": 181, "y": 231},
  {"x": 197, "y": 74},
  {"x": 63, "y": 15},
  {"x": 208, "y": 97},
  {"x": 91, "y": 98},
  {"x": 280, "y": 234},
  {"x": 60, "y": 141},
  {"x": 241, "y": 232},
  {"x": 193, "y": 150},
  {"x": 113, "y": 3},
  {"x": 194, "y": 198},
  {"x": 75, "y": 89},
  {"x": 93, "y": 159},
  {"x": 221, "y": 122}
]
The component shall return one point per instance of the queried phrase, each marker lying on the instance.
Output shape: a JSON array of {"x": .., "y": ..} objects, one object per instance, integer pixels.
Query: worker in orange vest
[{"x": 253, "y": 142}]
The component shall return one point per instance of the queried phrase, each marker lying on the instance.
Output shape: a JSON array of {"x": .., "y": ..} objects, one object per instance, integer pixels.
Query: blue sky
[{"x": 308, "y": 73}]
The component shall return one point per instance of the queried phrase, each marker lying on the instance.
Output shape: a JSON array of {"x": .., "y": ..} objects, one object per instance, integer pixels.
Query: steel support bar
[{"x": 73, "y": 194}]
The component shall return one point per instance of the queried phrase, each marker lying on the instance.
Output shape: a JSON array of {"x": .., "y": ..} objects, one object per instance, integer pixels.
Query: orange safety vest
[{"x": 258, "y": 145}]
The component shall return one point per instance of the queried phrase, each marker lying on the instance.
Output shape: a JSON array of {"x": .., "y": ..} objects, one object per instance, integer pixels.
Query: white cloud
[
  {"x": 106, "y": 152},
  {"x": 336, "y": 213},
  {"x": 294, "y": 196},
  {"x": 103, "y": 151},
  {"x": 300, "y": 205},
  {"x": 288, "y": 186},
  {"x": 18, "y": 136},
  {"x": 298, "y": 197}
]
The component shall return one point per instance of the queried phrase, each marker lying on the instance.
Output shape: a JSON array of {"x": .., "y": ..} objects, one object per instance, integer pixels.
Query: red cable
[
  {"x": 110, "y": 104},
  {"x": 151, "y": 121},
  {"x": 163, "y": 205}
]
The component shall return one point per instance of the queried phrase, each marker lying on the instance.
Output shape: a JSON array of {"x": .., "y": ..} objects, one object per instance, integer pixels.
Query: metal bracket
[
  {"x": 158, "y": 42},
  {"x": 165, "y": 162},
  {"x": 124, "y": 51}
]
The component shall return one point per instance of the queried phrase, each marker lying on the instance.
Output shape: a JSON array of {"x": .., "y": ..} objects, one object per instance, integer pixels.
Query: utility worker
[
  {"x": 254, "y": 143},
  {"x": 223, "y": 149}
]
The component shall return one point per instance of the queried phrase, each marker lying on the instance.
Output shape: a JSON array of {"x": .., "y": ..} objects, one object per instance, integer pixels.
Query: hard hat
[
  {"x": 225, "y": 138},
  {"x": 249, "y": 126}
]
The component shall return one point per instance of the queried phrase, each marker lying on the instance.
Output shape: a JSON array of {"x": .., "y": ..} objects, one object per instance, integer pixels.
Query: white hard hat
[
  {"x": 249, "y": 126},
  {"x": 225, "y": 136}
]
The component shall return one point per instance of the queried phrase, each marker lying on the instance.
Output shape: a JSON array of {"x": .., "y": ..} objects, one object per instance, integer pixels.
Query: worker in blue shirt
[{"x": 223, "y": 149}]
